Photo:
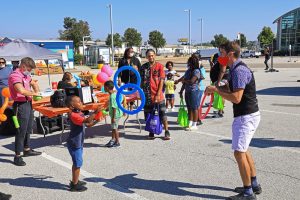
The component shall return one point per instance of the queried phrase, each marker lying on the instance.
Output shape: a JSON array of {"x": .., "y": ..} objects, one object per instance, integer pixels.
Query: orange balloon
[
  {"x": 5, "y": 92},
  {"x": 3, "y": 118}
]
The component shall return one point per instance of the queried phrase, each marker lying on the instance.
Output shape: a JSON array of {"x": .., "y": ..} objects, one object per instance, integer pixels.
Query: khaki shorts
[{"x": 116, "y": 124}]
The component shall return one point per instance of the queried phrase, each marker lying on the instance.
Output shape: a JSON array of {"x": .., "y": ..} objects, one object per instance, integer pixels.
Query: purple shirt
[{"x": 240, "y": 76}]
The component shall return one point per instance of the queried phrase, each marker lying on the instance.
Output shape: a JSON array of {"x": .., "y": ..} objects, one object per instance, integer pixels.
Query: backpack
[{"x": 58, "y": 99}]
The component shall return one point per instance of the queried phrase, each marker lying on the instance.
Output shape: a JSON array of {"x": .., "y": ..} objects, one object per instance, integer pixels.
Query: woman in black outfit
[{"x": 128, "y": 76}]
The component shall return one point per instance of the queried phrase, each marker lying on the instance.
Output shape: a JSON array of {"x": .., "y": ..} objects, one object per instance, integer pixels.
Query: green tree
[
  {"x": 132, "y": 37},
  {"x": 74, "y": 30},
  {"x": 156, "y": 39},
  {"x": 266, "y": 36},
  {"x": 117, "y": 40},
  {"x": 218, "y": 40}
]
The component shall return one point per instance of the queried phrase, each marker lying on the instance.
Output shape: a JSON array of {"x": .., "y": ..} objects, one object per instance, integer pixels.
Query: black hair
[
  {"x": 109, "y": 84},
  {"x": 169, "y": 62},
  {"x": 150, "y": 50},
  {"x": 3, "y": 59},
  {"x": 126, "y": 52},
  {"x": 69, "y": 100},
  {"x": 193, "y": 63}
]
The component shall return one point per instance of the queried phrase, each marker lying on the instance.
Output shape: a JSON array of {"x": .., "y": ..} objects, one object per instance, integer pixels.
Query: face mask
[
  {"x": 27, "y": 73},
  {"x": 131, "y": 55},
  {"x": 2, "y": 66},
  {"x": 223, "y": 60}
]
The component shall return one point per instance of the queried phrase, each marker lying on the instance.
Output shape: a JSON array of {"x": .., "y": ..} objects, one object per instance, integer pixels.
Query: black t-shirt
[
  {"x": 126, "y": 75},
  {"x": 64, "y": 85}
]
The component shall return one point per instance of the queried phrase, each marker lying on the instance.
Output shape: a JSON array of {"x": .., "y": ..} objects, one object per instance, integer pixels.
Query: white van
[{"x": 251, "y": 54}]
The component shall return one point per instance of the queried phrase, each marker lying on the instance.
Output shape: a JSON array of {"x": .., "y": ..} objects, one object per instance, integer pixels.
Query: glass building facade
[{"x": 288, "y": 32}]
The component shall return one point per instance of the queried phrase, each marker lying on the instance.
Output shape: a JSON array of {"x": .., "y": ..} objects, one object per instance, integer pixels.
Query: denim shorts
[
  {"x": 243, "y": 129},
  {"x": 76, "y": 154},
  {"x": 192, "y": 99},
  {"x": 169, "y": 96}
]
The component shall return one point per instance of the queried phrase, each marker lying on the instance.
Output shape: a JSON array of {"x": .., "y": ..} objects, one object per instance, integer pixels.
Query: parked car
[{"x": 251, "y": 54}]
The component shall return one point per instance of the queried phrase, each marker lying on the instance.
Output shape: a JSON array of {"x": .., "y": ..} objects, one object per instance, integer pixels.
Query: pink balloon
[
  {"x": 107, "y": 70},
  {"x": 102, "y": 77}
]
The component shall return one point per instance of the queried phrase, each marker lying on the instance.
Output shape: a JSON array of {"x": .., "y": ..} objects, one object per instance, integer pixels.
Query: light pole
[
  {"x": 87, "y": 36},
  {"x": 112, "y": 35},
  {"x": 201, "y": 22},
  {"x": 190, "y": 27}
]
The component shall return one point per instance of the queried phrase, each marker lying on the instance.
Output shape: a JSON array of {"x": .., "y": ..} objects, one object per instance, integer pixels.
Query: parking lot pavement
[{"x": 192, "y": 165}]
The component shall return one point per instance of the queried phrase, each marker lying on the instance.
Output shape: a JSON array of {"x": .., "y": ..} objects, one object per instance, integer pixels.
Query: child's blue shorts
[{"x": 76, "y": 154}]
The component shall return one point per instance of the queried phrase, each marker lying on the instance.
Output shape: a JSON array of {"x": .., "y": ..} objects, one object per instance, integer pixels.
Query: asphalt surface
[{"x": 192, "y": 165}]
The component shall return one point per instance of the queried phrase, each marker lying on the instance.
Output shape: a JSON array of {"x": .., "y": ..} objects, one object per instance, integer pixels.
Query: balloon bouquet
[
  {"x": 104, "y": 75},
  {"x": 6, "y": 94}
]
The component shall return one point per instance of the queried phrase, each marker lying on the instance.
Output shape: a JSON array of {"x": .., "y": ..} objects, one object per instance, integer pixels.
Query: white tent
[{"x": 18, "y": 49}]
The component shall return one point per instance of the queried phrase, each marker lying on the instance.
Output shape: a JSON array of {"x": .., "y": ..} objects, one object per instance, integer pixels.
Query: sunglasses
[{"x": 2, "y": 62}]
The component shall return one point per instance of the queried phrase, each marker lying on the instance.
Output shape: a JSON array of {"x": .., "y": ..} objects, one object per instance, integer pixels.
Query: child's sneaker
[
  {"x": 116, "y": 144},
  {"x": 110, "y": 143},
  {"x": 167, "y": 135},
  {"x": 151, "y": 136},
  {"x": 77, "y": 187},
  {"x": 173, "y": 109}
]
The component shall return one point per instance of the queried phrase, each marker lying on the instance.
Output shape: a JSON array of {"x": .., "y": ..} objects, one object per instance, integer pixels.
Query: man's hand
[
  {"x": 176, "y": 82},
  {"x": 210, "y": 90}
]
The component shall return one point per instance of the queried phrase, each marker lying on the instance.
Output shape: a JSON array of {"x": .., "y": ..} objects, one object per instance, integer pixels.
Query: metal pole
[
  {"x": 83, "y": 60},
  {"x": 190, "y": 27},
  {"x": 112, "y": 35},
  {"x": 201, "y": 32}
]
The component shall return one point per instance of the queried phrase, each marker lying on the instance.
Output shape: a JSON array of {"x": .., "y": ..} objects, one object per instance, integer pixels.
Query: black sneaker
[
  {"x": 116, "y": 144},
  {"x": 31, "y": 152},
  {"x": 18, "y": 160},
  {"x": 167, "y": 135},
  {"x": 256, "y": 190},
  {"x": 81, "y": 183},
  {"x": 77, "y": 187},
  {"x": 110, "y": 143},
  {"x": 4, "y": 196},
  {"x": 151, "y": 136},
  {"x": 200, "y": 122},
  {"x": 242, "y": 197}
]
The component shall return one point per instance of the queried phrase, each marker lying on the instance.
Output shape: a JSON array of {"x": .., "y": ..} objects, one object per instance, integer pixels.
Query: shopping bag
[
  {"x": 182, "y": 118},
  {"x": 218, "y": 102},
  {"x": 153, "y": 122}
]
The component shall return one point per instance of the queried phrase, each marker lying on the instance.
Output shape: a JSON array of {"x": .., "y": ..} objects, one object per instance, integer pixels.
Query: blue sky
[{"x": 41, "y": 19}]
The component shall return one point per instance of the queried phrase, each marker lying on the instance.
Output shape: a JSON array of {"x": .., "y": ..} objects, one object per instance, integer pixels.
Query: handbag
[
  {"x": 218, "y": 102},
  {"x": 182, "y": 118},
  {"x": 153, "y": 122}
]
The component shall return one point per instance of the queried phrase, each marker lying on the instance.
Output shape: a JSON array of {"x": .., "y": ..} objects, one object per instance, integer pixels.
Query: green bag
[
  {"x": 182, "y": 119},
  {"x": 218, "y": 102}
]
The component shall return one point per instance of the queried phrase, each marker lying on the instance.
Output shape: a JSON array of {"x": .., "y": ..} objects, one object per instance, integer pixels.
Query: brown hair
[
  {"x": 67, "y": 76},
  {"x": 232, "y": 47},
  {"x": 28, "y": 62}
]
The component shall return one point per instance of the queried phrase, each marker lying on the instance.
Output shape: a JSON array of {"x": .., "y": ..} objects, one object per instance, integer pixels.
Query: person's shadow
[
  {"x": 125, "y": 183},
  {"x": 35, "y": 181}
]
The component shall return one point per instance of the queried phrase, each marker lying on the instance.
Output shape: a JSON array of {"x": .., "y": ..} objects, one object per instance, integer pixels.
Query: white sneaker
[
  {"x": 188, "y": 128},
  {"x": 173, "y": 109},
  {"x": 167, "y": 110},
  {"x": 193, "y": 128}
]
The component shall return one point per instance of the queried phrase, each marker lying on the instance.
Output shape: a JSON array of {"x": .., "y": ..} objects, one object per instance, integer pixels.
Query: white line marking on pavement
[
  {"x": 285, "y": 113},
  {"x": 229, "y": 138},
  {"x": 86, "y": 174}
]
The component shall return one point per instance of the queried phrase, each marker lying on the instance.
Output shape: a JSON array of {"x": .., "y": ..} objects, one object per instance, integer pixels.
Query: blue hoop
[
  {"x": 137, "y": 74},
  {"x": 136, "y": 88}
]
